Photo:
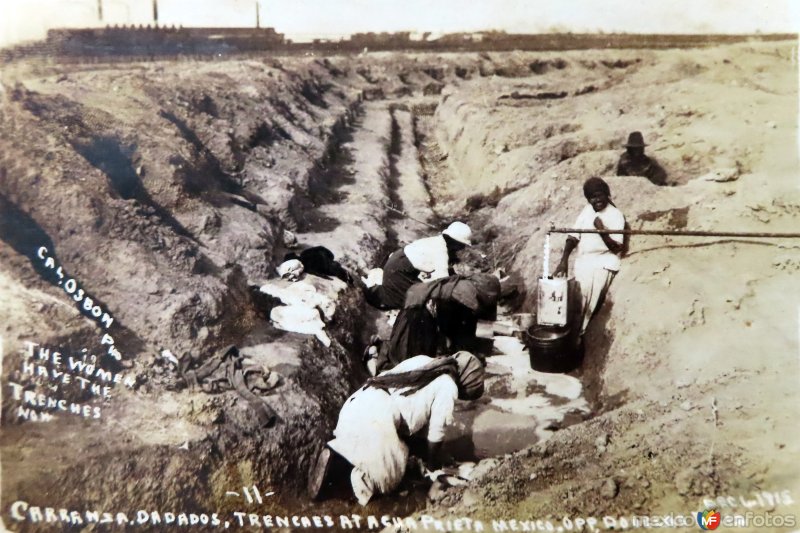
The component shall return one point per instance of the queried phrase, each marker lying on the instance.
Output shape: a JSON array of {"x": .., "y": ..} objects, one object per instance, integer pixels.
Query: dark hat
[{"x": 635, "y": 139}]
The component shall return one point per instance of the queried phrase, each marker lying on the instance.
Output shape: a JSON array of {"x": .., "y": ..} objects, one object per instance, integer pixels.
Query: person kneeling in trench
[
  {"x": 441, "y": 317},
  {"x": 599, "y": 254},
  {"x": 425, "y": 259},
  {"x": 419, "y": 392}
]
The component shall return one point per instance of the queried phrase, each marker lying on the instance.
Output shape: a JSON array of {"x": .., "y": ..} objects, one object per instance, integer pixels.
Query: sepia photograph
[{"x": 370, "y": 265}]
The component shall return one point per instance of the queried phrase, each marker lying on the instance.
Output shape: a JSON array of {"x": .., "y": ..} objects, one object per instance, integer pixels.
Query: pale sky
[{"x": 298, "y": 19}]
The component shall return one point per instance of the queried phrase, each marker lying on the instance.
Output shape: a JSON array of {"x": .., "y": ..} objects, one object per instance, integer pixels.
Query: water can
[{"x": 552, "y": 302}]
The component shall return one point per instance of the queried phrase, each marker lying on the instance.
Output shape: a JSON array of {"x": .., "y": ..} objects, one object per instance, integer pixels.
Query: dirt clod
[{"x": 609, "y": 489}]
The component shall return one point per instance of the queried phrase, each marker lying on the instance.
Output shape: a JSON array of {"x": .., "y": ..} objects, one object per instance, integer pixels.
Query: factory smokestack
[
  {"x": 258, "y": 19},
  {"x": 100, "y": 10},
  {"x": 155, "y": 12}
]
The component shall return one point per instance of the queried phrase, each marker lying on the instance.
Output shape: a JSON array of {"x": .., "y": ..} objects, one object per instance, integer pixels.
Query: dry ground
[
  {"x": 165, "y": 189},
  {"x": 697, "y": 351}
]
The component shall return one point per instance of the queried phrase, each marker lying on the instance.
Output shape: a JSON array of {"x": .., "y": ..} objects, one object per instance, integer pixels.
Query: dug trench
[
  {"x": 225, "y": 156},
  {"x": 184, "y": 447},
  {"x": 135, "y": 448}
]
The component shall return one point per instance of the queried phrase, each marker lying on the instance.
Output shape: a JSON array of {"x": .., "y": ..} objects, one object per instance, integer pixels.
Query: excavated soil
[
  {"x": 164, "y": 190},
  {"x": 694, "y": 358}
]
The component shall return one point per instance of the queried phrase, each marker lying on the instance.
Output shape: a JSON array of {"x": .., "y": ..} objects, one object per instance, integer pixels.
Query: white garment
[
  {"x": 300, "y": 319},
  {"x": 300, "y": 293},
  {"x": 594, "y": 282},
  {"x": 595, "y": 264},
  {"x": 374, "y": 277},
  {"x": 430, "y": 256},
  {"x": 432, "y": 405},
  {"x": 363, "y": 488},
  {"x": 291, "y": 269},
  {"x": 366, "y": 435},
  {"x": 591, "y": 247},
  {"x": 367, "y": 431}
]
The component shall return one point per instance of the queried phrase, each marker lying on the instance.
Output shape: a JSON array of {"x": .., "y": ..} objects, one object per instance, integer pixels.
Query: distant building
[
  {"x": 383, "y": 40},
  {"x": 155, "y": 40}
]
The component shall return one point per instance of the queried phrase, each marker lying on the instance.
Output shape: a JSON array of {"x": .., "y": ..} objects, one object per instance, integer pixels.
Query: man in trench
[
  {"x": 634, "y": 163},
  {"x": 425, "y": 259},
  {"x": 598, "y": 258},
  {"x": 376, "y": 420}
]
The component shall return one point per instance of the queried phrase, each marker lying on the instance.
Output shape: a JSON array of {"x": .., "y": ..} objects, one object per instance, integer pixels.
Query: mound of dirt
[{"x": 695, "y": 355}]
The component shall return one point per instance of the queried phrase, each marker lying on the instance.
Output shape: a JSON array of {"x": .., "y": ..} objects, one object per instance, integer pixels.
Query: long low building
[{"x": 149, "y": 40}]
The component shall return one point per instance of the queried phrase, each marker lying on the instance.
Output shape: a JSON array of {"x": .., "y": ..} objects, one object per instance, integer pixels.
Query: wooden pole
[{"x": 677, "y": 233}]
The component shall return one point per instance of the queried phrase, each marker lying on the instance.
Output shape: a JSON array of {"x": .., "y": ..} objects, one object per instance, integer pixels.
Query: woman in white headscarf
[{"x": 419, "y": 392}]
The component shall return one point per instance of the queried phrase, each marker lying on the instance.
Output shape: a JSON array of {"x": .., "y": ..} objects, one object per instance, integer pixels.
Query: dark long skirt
[
  {"x": 458, "y": 324},
  {"x": 414, "y": 333}
]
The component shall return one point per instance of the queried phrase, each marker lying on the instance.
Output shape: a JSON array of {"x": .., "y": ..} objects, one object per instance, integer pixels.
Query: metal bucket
[{"x": 552, "y": 348}]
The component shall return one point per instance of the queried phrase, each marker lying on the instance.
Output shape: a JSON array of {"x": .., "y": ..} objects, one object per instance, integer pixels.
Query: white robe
[
  {"x": 595, "y": 264},
  {"x": 367, "y": 432},
  {"x": 429, "y": 256}
]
